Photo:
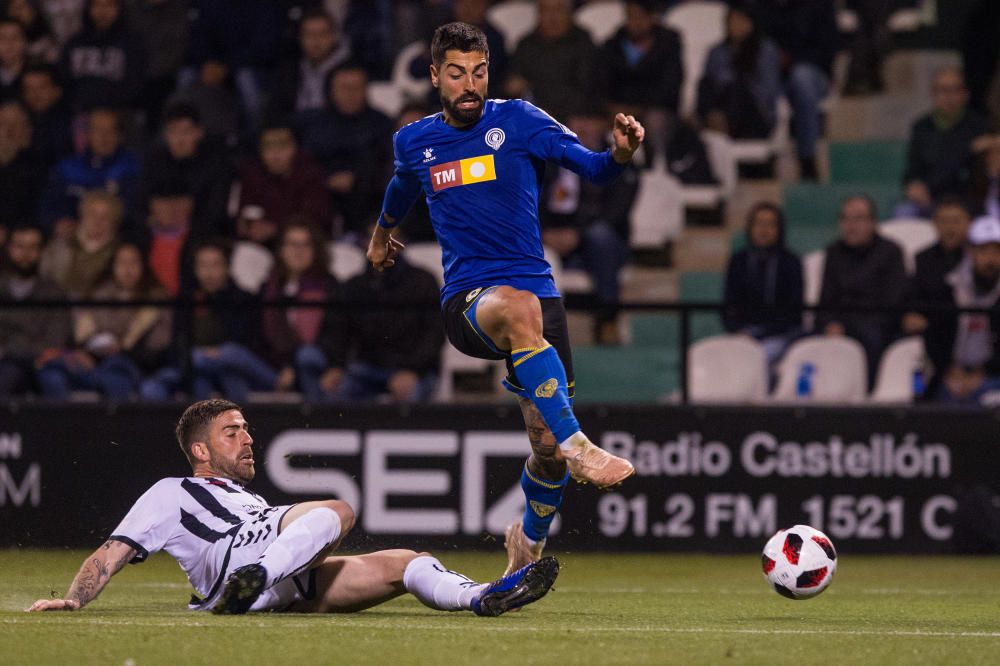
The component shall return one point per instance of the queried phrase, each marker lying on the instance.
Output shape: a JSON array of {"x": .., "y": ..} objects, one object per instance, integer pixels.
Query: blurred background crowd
[{"x": 219, "y": 155}]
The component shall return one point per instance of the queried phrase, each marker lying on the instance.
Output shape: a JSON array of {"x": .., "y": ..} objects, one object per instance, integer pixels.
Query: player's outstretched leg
[
  {"x": 512, "y": 319},
  {"x": 543, "y": 481},
  {"x": 307, "y": 532},
  {"x": 442, "y": 589}
]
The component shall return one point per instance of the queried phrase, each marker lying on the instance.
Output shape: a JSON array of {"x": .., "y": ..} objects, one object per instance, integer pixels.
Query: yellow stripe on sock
[
  {"x": 522, "y": 350},
  {"x": 546, "y": 484},
  {"x": 534, "y": 353}
]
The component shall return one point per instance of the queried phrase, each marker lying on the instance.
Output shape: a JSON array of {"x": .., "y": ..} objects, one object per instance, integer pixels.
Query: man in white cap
[{"x": 965, "y": 348}]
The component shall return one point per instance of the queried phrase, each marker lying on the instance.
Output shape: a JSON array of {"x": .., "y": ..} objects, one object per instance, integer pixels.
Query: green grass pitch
[{"x": 605, "y": 609}]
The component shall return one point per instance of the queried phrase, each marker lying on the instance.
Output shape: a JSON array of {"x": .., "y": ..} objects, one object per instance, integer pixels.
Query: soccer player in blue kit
[{"x": 480, "y": 163}]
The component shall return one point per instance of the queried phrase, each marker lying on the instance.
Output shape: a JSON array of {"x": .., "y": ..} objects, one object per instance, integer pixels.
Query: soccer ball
[{"x": 799, "y": 562}]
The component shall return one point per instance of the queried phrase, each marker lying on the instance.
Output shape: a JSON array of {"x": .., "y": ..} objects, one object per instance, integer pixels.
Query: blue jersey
[{"x": 482, "y": 186}]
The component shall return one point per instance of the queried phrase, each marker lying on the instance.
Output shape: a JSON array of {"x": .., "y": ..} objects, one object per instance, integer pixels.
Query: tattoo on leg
[{"x": 543, "y": 461}]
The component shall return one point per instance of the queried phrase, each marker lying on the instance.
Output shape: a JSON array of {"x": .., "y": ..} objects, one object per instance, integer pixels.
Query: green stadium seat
[
  {"x": 625, "y": 374},
  {"x": 868, "y": 162},
  {"x": 706, "y": 287},
  {"x": 818, "y": 205}
]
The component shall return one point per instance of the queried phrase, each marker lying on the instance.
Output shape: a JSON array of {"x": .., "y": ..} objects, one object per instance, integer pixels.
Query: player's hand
[
  {"x": 54, "y": 605},
  {"x": 383, "y": 249},
  {"x": 628, "y": 135}
]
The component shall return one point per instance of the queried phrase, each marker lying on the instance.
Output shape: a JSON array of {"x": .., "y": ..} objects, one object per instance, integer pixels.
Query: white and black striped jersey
[{"x": 206, "y": 524}]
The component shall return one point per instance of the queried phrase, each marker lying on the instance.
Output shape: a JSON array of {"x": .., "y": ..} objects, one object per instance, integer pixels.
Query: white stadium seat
[
  {"x": 727, "y": 369},
  {"x": 658, "y": 212},
  {"x": 701, "y": 26},
  {"x": 601, "y": 18},
  {"x": 250, "y": 265},
  {"x": 409, "y": 86},
  {"x": 384, "y": 96},
  {"x": 346, "y": 260},
  {"x": 426, "y": 256},
  {"x": 894, "y": 381},
  {"x": 912, "y": 236},
  {"x": 840, "y": 372},
  {"x": 514, "y": 19}
]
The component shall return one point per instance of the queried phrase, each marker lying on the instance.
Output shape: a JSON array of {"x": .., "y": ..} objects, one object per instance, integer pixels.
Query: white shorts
[{"x": 248, "y": 545}]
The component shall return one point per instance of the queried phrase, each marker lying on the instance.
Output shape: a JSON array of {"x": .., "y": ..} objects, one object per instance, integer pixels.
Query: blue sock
[
  {"x": 541, "y": 373},
  {"x": 541, "y": 501}
]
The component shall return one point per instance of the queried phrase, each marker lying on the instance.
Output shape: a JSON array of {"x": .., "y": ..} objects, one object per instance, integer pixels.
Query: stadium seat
[
  {"x": 601, "y": 18},
  {"x": 625, "y": 374},
  {"x": 819, "y": 204},
  {"x": 703, "y": 287},
  {"x": 840, "y": 370},
  {"x": 727, "y": 369},
  {"x": 658, "y": 214},
  {"x": 346, "y": 260},
  {"x": 722, "y": 159},
  {"x": 760, "y": 151},
  {"x": 250, "y": 265},
  {"x": 454, "y": 362},
  {"x": 514, "y": 19},
  {"x": 912, "y": 236},
  {"x": 875, "y": 162},
  {"x": 409, "y": 86},
  {"x": 812, "y": 283},
  {"x": 894, "y": 381},
  {"x": 384, "y": 96},
  {"x": 428, "y": 257},
  {"x": 701, "y": 25}
]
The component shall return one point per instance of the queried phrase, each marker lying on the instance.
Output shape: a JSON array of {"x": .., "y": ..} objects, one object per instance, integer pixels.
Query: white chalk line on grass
[{"x": 281, "y": 622}]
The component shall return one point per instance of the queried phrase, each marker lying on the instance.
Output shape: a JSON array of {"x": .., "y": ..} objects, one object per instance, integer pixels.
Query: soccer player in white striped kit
[{"x": 241, "y": 554}]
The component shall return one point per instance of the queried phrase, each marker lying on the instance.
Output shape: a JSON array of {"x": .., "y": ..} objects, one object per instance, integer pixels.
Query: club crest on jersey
[
  {"x": 541, "y": 510},
  {"x": 495, "y": 138},
  {"x": 472, "y": 294},
  {"x": 548, "y": 389},
  {"x": 429, "y": 155},
  {"x": 463, "y": 172}
]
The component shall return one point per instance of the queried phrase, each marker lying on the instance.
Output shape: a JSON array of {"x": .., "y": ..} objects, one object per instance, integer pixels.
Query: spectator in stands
[
  {"x": 104, "y": 164},
  {"x": 965, "y": 348},
  {"x": 738, "y": 93},
  {"x": 352, "y": 142},
  {"x": 640, "y": 72},
  {"x": 22, "y": 174},
  {"x": 210, "y": 90},
  {"x": 171, "y": 209},
  {"x": 929, "y": 283},
  {"x": 763, "y": 293},
  {"x": 301, "y": 85},
  {"x": 51, "y": 120},
  {"x": 984, "y": 193},
  {"x": 27, "y": 337},
  {"x": 939, "y": 158},
  {"x": 42, "y": 45},
  {"x": 201, "y": 165},
  {"x": 164, "y": 27},
  {"x": 291, "y": 335},
  {"x": 588, "y": 224},
  {"x": 473, "y": 12},
  {"x": 113, "y": 346},
  {"x": 981, "y": 58},
  {"x": 806, "y": 32},
  {"x": 862, "y": 269},
  {"x": 65, "y": 17},
  {"x": 219, "y": 335},
  {"x": 245, "y": 36},
  {"x": 105, "y": 63},
  {"x": 79, "y": 263},
  {"x": 554, "y": 65},
  {"x": 868, "y": 46},
  {"x": 279, "y": 183},
  {"x": 394, "y": 346},
  {"x": 13, "y": 58}
]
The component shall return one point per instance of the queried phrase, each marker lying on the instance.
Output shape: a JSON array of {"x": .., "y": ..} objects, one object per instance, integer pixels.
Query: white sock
[
  {"x": 438, "y": 587},
  {"x": 576, "y": 440},
  {"x": 299, "y": 544}
]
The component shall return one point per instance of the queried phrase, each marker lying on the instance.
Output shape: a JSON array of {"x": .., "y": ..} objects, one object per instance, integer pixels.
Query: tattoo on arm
[{"x": 97, "y": 570}]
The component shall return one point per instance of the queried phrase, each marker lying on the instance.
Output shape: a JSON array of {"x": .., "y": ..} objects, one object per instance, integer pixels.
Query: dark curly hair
[{"x": 460, "y": 37}]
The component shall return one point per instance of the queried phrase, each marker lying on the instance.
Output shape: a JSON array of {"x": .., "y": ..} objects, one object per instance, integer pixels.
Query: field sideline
[{"x": 606, "y": 609}]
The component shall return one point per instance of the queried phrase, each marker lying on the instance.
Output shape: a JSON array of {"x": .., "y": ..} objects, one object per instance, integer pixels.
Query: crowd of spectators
[{"x": 141, "y": 139}]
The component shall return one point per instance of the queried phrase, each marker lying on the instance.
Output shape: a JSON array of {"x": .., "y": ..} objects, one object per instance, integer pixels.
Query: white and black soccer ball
[{"x": 799, "y": 562}]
